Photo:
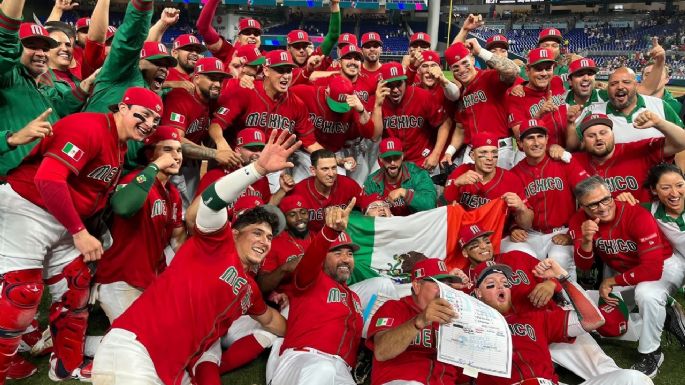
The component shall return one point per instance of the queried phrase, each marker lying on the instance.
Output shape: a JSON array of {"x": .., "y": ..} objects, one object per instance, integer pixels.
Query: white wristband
[
  {"x": 451, "y": 150},
  {"x": 566, "y": 157},
  {"x": 485, "y": 54}
]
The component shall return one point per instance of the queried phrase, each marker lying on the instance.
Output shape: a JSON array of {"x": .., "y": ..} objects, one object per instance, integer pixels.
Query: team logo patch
[
  {"x": 384, "y": 322},
  {"x": 72, "y": 151},
  {"x": 178, "y": 118},
  {"x": 222, "y": 111},
  {"x": 141, "y": 179}
]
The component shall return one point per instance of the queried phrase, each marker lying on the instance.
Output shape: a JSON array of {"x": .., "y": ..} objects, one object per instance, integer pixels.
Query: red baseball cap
[
  {"x": 496, "y": 40},
  {"x": 419, "y": 36},
  {"x": 111, "y": 30},
  {"x": 351, "y": 49},
  {"x": 392, "y": 71},
  {"x": 531, "y": 125},
  {"x": 432, "y": 268},
  {"x": 339, "y": 87},
  {"x": 250, "y": 137},
  {"x": 33, "y": 32},
  {"x": 615, "y": 317},
  {"x": 456, "y": 52},
  {"x": 249, "y": 23},
  {"x": 292, "y": 202},
  {"x": 390, "y": 147},
  {"x": 550, "y": 34},
  {"x": 209, "y": 65},
  {"x": 278, "y": 58},
  {"x": 584, "y": 63},
  {"x": 593, "y": 120},
  {"x": 343, "y": 240},
  {"x": 468, "y": 233},
  {"x": 371, "y": 36},
  {"x": 366, "y": 200},
  {"x": 162, "y": 133},
  {"x": 188, "y": 41},
  {"x": 483, "y": 139},
  {"x": 540, "y": 55},
  {"x": 430, "y": 55},
  {"x": 297, "y": 36},
  {"x": 82, "y": 23},
  {"x": 246, "y": 202},
  {"x": 483, "y": 269},
  {"x": 347, "y": 38},
  {"x": 143, "y": 97},
  {"x": 158, "y": 54},
  {"x": 251, "y": 53}
]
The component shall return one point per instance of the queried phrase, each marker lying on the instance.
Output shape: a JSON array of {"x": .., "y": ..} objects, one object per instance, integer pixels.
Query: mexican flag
[
  {"x": 387, "y": 244},
  {"x": 176, "y": 117}
]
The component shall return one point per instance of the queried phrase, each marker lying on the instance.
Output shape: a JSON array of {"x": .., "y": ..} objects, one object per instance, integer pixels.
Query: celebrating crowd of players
[{"x": 202, "y": 201}]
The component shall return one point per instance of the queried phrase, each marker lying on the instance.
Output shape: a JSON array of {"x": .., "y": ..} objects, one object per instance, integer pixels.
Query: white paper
[{"x": 478, "y": 341}]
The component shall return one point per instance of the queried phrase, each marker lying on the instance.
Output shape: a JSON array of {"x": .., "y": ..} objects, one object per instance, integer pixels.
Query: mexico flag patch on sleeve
[
  {"x": 384, "y": 322},
  {"x": 72, "y": 151},
  {"x": 178, "y": 118}
]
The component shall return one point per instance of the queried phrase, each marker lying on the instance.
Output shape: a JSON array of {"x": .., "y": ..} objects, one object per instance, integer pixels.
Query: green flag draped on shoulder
[{"x": 386, "y": 243}]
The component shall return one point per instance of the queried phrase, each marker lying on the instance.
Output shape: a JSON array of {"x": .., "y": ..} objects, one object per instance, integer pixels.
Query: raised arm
[
  {"x": 508, "y": 70},
  {"x": 472, "y": 22},
  {"x": 59, "y": 8},
  {"x": 333, "y": 29},
  {"x": 168, "y": 18},
  {"x": 99, "y": 21}
]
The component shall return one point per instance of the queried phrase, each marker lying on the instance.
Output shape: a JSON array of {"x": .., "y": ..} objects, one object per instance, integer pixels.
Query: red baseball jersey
[
  {"x": 185, "y": 111},
  {"x": 204, "y": 287},
  {"x": 548, "y": 186},
  {"x": 531, "y": 334},
  {"x": 364, "y": 88},
  {"x": 259, "y": 188},
  {"x": 419, "y": 361},
  {"x": 88, "y": 144},
  {"x": 413, "y": 121},
  {"x": 627, "y": 168},
  {"x": 326, "y": 315},
  {"x": 373, "y": 76},
  {"x": 77, "y": 54},
  {"x": 94, "y": 55},
  {"x": 332, "y": 129},
  {"x": 631, "y": 244},
  {"x": 176, "y": 76},
  {"x": 253, "y": 108},
  {"x": 475, "y": 195},
  {"x": 523, "y": 108},
  {"x": 342, "y": 192},
  {"x": 522, "y": 281},
  {"x": 137, "y": 255},
  {"x": 482, "y": 106},
  {"x": 284, "y": 248}
]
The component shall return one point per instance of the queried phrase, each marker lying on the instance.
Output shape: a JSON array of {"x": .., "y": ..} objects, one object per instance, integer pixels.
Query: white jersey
[{"x": 673, "y": 228}]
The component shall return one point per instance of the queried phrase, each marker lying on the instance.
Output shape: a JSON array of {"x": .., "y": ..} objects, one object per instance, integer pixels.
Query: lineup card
[{"x": 479, "y": 341}]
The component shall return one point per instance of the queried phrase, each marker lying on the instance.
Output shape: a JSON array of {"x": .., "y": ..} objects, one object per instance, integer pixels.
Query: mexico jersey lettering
[
  {"x": 341, "y": 193},
  {"x": 482, "y": 107},
  {"x": 88, "y": 144},
  {"x": 478, "y": 194}
]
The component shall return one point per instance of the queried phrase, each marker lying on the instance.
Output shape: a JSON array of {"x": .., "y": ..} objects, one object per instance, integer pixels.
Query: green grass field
[{"x": 672, "y": 371}]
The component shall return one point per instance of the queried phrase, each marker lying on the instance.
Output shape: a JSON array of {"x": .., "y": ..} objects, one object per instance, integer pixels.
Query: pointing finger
[
  {"x": 45, "y": 114},
  {"x": 350, "y": 205}
]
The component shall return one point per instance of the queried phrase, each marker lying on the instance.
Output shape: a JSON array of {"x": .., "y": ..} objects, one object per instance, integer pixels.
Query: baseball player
[
  {"x": 373, "y": 205},
  {"x": 187, "y": 49},
  {"x": 372, "y": 48},
  {"x": 624, "y": 166},
  {"x": 628, "y": 240},
  {"x": 268, "y": 106},
  {"x": 407, "y": 187},
  {"x": 543, "y": 98},
  {"x": 418, "y": 42},
  {"x": 548, "y": 185},
  {"x": 338, "y": 116},
  {"x": 550, "y": 39},
  {"x": 584, "y": 357},
  {"x": 148, "y": 214},
  {"x": 625, "y": 103},
  {"x": 403, "y": 332},
  {"x": 245, "y": 67},
  {"x": 481, "y": 107},
  {"x": 532, "y": 332},
  {"x": 159, "y": 318},
  {"x": 325, "y": 318},
  {"x": 407, "y": 113},
  {"x": 249, "y": 32},
  {"x": 475, "y": 184},
  {"x": 24, "y": 56},
  {"x": 59, "y": 187},
  {"x": 350, "y": 60},
  {"x": 189, "y": 111},
  {"x": 324, "y": 188},
  {"x": 288, "y": 247}
]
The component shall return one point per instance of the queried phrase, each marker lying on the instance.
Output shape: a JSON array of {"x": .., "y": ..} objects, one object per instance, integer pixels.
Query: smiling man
[
  {"x": 187, "y": 50},
  {"x": 49, "y": 199},
  {"x": 628, "y": 240}
]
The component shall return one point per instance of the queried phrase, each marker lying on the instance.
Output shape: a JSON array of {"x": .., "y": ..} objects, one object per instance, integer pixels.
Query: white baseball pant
[
  {"x": 540, "y": 246},
  {"x": 309, "y": 366}
]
